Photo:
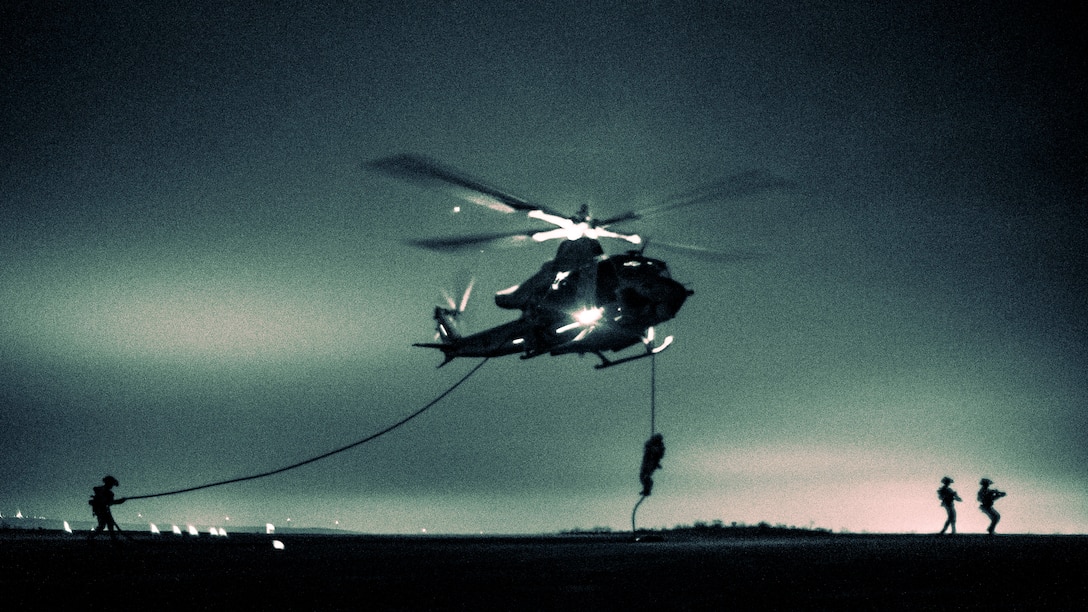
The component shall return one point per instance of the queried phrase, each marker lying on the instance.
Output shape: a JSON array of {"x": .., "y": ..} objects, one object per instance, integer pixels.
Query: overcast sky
[{"x": 199, "y": 280}]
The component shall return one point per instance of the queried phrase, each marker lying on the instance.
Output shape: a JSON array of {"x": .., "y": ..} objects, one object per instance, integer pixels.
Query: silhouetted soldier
[
  {"x": 986, "y": 499},
  {"x": 948, "y": 500},
  {"x": 100, "y": 503},
  {"x": 652, "y": 453}
]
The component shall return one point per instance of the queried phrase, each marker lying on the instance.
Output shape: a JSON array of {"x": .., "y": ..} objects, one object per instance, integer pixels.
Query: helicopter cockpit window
[
  {"x": 642, "y": 267},
  {"x": 607, "y": 281}
]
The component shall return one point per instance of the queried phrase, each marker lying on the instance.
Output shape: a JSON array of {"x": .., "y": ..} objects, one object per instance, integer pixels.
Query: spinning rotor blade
[
  {"x": 710, "y": 254},
  {"x": 430, "y": 173},
  {"x": 459, "y": 306},
  {"x": 731, "y": 188},
  {"x": 629, "y": 216},
  {"x": 460, "y": 243},
  {"x": 466, "y": 295}
]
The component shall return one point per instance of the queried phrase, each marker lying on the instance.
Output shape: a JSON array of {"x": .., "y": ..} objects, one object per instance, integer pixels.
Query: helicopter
[{"x": 581, "y": 301}]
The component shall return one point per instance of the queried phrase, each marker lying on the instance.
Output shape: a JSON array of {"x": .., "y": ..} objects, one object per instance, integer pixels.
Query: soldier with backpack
[
  {"x": 100, "y": 502},
  {"x": 948, "y": 499},
  {"x": 986, "y": 499},
  {"x": 652, "y": 452}
]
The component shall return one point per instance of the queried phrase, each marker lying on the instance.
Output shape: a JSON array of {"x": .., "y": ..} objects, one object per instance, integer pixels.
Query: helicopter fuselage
[{"x": 583, "y": 301}]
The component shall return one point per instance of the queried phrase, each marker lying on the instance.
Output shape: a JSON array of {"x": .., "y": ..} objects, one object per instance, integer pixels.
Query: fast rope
[
  {"x": 328, "y": 454},
  {"x": 646, "y": 453},
  {"x": 653, "y": 393}
]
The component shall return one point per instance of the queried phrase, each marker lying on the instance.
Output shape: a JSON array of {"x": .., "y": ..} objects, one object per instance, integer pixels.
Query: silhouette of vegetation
[
  {"x": 580, "y": 531},
  {"x": 717, "y": 528}
]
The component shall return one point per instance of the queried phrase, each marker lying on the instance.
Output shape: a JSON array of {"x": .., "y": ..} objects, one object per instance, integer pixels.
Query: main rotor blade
[
  {"x": 734, "y": 187},
  {"x": 430, "y": 173},
  {"x": 706, "y": 253},
  {"x": 627, "y": 216},
  {"x": 459, "y": 243}
]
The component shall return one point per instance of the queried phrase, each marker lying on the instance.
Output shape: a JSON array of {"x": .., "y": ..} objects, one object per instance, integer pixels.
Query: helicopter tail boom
[{"x": 505, "y": 339}]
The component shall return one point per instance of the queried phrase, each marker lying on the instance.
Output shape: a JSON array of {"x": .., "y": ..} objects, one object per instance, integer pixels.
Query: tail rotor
[
  {"x": 449, "y": 315},
  {"x": 458, "y": 306}
]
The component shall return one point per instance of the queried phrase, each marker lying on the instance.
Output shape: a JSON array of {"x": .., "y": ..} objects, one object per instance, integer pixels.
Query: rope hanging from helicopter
[
  {"x": 653, "y": 450},
  {"x": 653, "y": 393},
  {"x": 369, "y": 438}
]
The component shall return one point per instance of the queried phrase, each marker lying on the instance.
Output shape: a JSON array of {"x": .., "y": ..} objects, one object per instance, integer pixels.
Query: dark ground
[{"x": 48, "y": 570}]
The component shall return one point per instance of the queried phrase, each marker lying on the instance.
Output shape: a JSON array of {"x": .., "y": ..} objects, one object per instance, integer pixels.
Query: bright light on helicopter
[
  {"x": 588, "y": 316},
  {"x": 585, "y": 318}
]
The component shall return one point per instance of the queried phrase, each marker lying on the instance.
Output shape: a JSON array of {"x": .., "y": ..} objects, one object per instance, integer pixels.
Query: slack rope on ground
[{"x": 325, "y": 455}]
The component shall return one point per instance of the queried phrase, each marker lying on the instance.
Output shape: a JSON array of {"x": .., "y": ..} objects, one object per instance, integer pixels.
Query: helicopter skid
[{"x": 650, "y": 352}]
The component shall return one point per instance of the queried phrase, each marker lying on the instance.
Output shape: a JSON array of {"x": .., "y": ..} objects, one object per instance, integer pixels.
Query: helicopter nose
[{"x": 673, "y": 295}]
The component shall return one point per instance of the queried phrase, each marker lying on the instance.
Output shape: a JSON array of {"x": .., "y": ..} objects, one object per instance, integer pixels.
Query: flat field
[{"x": 49, "y": 570}]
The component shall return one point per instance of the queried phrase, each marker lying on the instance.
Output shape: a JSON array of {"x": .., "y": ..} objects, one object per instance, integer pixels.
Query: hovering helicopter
[{"x": 583, "y": 300}]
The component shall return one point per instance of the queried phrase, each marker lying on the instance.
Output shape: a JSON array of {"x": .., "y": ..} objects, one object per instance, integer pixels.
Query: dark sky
[{"x": 199, "y": 280}]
